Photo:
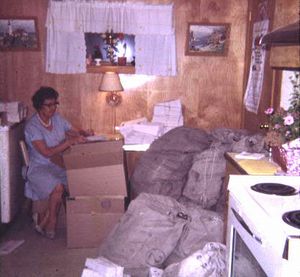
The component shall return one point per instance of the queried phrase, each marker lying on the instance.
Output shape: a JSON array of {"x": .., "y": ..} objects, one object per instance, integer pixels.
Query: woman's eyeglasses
[{"x": 50, "y": 105}]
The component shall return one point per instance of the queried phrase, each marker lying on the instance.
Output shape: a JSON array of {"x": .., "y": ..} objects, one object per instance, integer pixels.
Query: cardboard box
[
  {"x": 90, "y": 219},
  {"x": 96, "y": 168}
]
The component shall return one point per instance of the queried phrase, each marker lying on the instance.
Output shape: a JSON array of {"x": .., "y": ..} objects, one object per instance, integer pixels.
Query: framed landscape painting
[
  {"x": 207, "y": 39},
  {"x": 18, "y": 34}
]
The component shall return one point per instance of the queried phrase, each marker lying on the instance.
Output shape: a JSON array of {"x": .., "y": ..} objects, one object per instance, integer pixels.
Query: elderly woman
[{"x": 47, "y": 135}]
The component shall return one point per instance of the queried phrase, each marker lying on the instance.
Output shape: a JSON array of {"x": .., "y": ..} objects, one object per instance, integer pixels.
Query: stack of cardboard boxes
[{"x": 97, "y": 186}]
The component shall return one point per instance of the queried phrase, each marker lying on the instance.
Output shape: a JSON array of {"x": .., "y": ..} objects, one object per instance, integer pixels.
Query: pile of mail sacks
[
  {"x": 174, "y": 226},
  {"x": 160, "y": 237}
]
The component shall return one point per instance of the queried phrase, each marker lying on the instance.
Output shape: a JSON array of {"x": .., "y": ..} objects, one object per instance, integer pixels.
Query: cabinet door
[
  {"x": 286, "y": 12},
  {"x": 258, "y": 10}
]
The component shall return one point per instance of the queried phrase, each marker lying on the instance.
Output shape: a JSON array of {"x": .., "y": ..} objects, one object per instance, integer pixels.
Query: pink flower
[
  {"x": 269, "y": 111},
  {"x": 288, "y": 120},
  {"x": 277, "y": 126}
]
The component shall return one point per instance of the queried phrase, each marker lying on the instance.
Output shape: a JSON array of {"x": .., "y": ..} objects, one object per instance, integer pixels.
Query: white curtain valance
[{"x": 152, "y": 26}]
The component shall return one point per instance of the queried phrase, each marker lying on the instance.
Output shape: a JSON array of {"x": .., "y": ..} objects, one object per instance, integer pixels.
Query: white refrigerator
[{"x": 11, "y": 180}]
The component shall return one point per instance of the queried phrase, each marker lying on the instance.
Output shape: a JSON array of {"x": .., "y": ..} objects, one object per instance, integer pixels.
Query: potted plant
[
  {"x": 283, "y": 132},
  {"x": 111, "y": 40}
]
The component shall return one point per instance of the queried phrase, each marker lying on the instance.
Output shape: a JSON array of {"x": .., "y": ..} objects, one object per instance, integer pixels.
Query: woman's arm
[{"x": 48, "y": 152}]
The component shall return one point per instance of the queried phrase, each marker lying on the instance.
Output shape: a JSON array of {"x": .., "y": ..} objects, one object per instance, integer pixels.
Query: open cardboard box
[
  {"x": 90, "y": 219},
  {"x": 97, "y": 187},
  {"x": 96, "y": 168}
]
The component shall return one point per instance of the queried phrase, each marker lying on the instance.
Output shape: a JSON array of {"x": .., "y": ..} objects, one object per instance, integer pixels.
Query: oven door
[{"x": 248, "y": 253}]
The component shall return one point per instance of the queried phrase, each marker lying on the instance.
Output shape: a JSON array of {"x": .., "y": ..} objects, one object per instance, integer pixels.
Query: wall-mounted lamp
[{"x": 112, "y": 85}]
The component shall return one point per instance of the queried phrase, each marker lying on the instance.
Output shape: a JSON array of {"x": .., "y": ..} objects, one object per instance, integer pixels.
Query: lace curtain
[{"x": 152, "y": 25}]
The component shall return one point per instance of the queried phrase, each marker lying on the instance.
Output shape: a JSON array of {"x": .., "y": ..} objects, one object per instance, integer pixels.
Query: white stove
[{"x": 255, "y": 223}]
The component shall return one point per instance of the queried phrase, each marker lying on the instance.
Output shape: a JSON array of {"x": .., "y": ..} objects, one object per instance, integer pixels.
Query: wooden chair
[
  {"x": 37, "y": 206},
  {"x": 25, "y": 156},
  {"x": 27, "y": 206}
]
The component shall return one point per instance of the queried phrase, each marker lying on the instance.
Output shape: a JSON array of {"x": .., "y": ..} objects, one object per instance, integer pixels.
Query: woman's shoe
[
  {"x": 50, "y": 234},
  {"x": 35, "y": 219},
  {"x": 39, "y": 229}
]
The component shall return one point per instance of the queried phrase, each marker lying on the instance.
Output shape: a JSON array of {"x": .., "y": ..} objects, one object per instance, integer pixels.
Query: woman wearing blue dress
[{"x": 47, "y": 135}]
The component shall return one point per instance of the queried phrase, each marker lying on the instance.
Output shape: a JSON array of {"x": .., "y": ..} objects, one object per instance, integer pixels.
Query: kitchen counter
[
  {"x": 251, "y": 167},
  {"x": 243, "y": 166}
]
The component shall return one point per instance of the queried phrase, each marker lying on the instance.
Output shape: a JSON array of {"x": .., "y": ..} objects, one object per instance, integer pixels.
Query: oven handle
[{"x": 246, "y": 227}]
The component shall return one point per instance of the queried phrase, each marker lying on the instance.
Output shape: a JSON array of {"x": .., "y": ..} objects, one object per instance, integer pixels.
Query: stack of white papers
[
  {"x": 142, "y": 132},
  {"x": 166, "y": 116},
  {"x": 15, "y": 111},
  {"x": 136, "y": 147},
  {"x": 169, "y": 114},
  {"x": 249, "y": 156},
  {"x": 149, "y": 128},
  {"x": 96, "y": 138},
  {"x": 134, "y": 137}
]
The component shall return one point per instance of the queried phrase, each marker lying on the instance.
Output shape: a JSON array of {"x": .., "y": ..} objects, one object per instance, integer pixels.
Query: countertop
[{"x": 261, "y": 166}]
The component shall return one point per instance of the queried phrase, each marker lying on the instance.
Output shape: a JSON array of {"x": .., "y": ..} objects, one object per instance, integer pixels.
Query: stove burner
[
  {"x": 292, "y": 218},
  {"x": 274, "y": 188}
]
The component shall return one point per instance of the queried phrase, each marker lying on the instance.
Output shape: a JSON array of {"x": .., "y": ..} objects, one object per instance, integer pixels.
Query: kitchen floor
[{"x": 39, "y": 256}]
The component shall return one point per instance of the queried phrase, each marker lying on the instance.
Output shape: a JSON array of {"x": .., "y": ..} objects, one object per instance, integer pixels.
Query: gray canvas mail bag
[{"x": 147, "y": 233}]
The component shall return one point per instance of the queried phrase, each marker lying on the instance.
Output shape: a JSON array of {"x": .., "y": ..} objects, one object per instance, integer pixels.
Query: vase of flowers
[{"x": 283, "y": 132}]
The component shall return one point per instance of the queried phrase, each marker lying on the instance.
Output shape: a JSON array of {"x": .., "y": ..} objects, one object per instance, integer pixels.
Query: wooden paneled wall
[{"x": 209, "y": 87}]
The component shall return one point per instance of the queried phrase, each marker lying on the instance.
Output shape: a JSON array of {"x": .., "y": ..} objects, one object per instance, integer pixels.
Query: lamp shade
[{"x": 110, "y": 82}]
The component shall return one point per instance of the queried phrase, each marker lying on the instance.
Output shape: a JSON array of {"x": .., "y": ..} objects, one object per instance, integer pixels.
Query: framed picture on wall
[
  {"x": 19, "y": 34},
  {"x": 207, "y": 39}
]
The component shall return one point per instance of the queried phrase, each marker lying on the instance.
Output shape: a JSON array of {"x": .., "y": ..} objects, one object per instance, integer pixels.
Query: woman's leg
[
  {"x": 44, "y": 218},
  {"x": 41, "y": 214},
  {"x": 55, "y": 200}
]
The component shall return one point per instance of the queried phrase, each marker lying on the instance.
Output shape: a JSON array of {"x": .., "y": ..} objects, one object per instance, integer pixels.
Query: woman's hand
[
  {"x": 86, "y": 133},
  {"x": 74, "y": 133},
  {"x": 76, "y": 140}
]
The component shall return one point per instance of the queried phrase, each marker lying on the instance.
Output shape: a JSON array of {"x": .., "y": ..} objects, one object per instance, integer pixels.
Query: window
[
  {"x": 287, "y": 88},
  {"x": 110, "y": 47},
  {"x": 69, "y": 20}
]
